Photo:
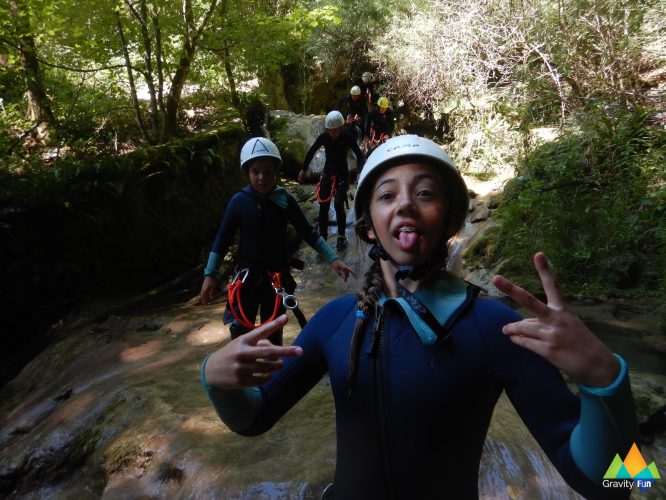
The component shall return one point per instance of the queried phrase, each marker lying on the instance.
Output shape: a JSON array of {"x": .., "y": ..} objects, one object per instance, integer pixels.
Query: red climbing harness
[
  {"x": 318, "y": 189},
  {"x": 281, "y": 297},
  {"x": 376, "y": 141},
  {"x": 373, "y": 141}
]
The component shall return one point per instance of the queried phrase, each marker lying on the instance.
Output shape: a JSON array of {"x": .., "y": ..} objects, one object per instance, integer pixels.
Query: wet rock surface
[{"x": 114, "y": 408}]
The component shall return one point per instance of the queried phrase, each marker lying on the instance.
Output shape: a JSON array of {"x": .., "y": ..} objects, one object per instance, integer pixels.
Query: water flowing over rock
[{"x": 114, "y": 407}]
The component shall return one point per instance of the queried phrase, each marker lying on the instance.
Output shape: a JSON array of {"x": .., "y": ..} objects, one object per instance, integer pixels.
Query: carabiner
[
  {"x": 288, "y": 301},
  {"x": 244, "y": 272}
]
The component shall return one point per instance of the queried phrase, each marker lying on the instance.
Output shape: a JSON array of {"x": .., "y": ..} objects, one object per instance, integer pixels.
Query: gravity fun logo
[{"x": 632, "y": 471}]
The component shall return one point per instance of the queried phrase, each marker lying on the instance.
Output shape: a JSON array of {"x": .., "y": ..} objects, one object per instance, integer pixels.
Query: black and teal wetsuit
[
  {"x": 335, "y": 166},
  {"x": 415, "y": 422},
  {"x": 261, "y": 222}
]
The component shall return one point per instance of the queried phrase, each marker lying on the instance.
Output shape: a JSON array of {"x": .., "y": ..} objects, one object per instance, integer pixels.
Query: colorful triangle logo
[{"x": 632, "y": 467}]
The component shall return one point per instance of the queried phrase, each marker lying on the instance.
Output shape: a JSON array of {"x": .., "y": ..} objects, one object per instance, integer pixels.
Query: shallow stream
[{"x": 114, "y": 409}]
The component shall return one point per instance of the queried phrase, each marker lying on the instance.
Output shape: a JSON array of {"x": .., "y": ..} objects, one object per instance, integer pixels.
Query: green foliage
[{"x": 594, "y": 201}]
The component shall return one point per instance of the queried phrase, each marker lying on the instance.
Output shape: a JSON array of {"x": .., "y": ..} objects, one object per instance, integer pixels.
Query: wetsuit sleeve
[
  {"x": 311, "y": 152},
  {"x": 325, "y": 250},
  {"x": 301, "y": 374},
  {"x": 341, "y": 103},
  {"x": 607, "y": 418},
  {"x": 296, "y": 218},
  {"x": 214, "y": 262},
  {"x": 237, "y": 408},
  {"x": 552, "y": 412},
  {"x": 254, "y": 411},
  {"x": 224, "y": 237}
]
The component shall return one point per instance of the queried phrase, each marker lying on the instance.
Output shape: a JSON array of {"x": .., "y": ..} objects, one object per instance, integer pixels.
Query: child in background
[{"x": 260, "y": 212}]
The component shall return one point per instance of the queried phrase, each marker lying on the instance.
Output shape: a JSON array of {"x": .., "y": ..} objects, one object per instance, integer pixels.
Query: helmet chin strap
[{"x": 412, "y": 272}]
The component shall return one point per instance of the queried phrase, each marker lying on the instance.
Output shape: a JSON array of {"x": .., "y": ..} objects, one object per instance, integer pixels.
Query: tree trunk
[
  {"x": 190, "y": 43},
  {"x": 130, "y": 76},
  {"x": 39, "y": 106},
  {"x": 235, "y": 100},
  {"x": 148, "y": 61},
  {"x": 160, "y": 72}
]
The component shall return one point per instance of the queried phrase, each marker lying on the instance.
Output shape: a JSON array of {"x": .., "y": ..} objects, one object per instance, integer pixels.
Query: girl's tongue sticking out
[{"x": 407, "y": 238}]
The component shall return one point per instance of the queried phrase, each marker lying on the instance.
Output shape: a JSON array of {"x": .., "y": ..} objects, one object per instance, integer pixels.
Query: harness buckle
[{"x": 289, "y": 301}]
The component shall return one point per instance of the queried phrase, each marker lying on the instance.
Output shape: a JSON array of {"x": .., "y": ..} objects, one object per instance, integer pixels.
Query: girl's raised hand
[
  {"x": 250, "y": 359},
  {"x": 557, "y": 333}
]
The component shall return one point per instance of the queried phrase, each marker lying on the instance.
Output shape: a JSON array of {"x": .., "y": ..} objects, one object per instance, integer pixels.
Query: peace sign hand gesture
[
  {"x": 250, "y": 359},
  {"x": 556, "y": 333}
]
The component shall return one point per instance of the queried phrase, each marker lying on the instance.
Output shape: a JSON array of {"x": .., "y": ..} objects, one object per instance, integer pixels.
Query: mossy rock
[{"x": 293, "y": 135}]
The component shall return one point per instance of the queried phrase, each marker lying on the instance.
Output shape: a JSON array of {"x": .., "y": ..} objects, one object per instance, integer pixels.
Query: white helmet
[
  {"x": 355, "y": 90},
  {"x": 334, "y": 120},
  {"x": 412, "y": 148},
  {"x": 366, "y": 77},
  {"x": 258, "y": 147}
]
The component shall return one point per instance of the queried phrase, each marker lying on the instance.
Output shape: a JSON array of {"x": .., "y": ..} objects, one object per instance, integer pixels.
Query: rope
[
  {"x": 233, "y": 291},
  {"x": 318, "y": 189}
]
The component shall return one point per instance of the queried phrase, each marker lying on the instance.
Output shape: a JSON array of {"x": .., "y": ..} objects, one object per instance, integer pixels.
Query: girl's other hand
[{"x": 557, "y": 333}]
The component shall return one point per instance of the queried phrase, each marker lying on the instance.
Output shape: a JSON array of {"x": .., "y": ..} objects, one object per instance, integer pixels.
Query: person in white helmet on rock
[
  {"x": 417, "y": 359},
  {"x": 260, "y": 213},
  {"x": 334, "y": 181},
  {"x": 355, "y": 110}
]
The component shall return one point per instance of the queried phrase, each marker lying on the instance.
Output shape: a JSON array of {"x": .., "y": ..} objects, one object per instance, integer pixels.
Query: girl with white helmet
[
  {"x": 260, "y": 212},
  {"x": 334, "y": 182},
  {"x": 417, "y": 360}
]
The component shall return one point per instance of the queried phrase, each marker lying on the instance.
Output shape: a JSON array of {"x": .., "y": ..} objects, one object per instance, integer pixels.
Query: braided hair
[{"x": 374, "y": 284}]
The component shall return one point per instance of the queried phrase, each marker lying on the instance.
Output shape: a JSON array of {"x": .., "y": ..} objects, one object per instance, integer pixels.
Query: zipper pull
[{"x": 377, "y": 330}]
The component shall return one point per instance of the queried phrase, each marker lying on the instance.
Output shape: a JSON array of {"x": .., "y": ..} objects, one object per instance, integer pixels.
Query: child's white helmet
[
  {"x": 334, "y": 120},
  {"x": 403, "y": 149},
  {"x": 258, "y": 147}
]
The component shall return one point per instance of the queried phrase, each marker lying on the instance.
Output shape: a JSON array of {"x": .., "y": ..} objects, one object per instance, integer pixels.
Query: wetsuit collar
[
  {"x": 278, "y": 195},
  {"x": 444, "y": 300}
]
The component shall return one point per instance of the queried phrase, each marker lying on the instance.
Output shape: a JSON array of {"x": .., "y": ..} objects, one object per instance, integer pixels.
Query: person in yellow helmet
[{"x": 380, "y": 123}]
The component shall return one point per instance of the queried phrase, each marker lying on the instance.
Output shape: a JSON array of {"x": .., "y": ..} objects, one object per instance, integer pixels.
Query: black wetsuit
[
  {"x": 368, "y": 92},
  {"x": 335, "y": 166},
  {"x": 263, "y": 246},
  {"x": 380, "y": 123},
  {"x": 349, "y": 107}
]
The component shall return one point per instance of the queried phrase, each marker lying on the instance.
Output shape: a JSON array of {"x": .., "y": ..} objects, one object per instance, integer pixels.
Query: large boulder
[{"x": 293, "y": 134}]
